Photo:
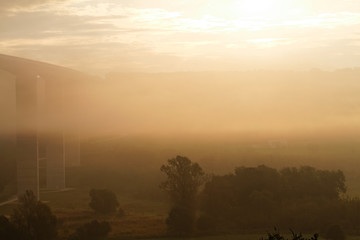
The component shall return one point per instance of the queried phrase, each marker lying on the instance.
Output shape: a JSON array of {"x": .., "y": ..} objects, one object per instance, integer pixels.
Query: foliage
[
  {"x": 295, "y": 236},
  {"x": 103, "y": 201},
  {"x": 308, "y": 181},
  {"x": 257, "y": 197},
  {"x": 352, "y": 213},
  {"x": 31, "y": 220},
  {"x": 34, "y": 219},
  {"x": 7, "y": 229},
  {"x": 181, "y": 220},
  {"x": 184, "y": 179},
  {"x": 92, "y": 231}
]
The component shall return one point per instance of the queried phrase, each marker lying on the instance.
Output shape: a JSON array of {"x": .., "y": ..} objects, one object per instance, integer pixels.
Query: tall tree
[
  {"x": 34, "y": 219},
  {"x": 184, "y": 178}
]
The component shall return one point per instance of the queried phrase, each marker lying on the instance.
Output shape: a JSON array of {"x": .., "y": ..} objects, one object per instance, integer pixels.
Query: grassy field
[
  {"x": 144, "y": 219},
  {"x": 145, "y": 216}
]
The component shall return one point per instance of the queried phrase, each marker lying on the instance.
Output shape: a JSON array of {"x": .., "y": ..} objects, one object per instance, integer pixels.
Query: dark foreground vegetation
[
  {"x": 256, "y": 198},
  {"x": 302, "y": 198},
  {"x": 249, "y": 200},
  {"x": 30, "y": 220}
]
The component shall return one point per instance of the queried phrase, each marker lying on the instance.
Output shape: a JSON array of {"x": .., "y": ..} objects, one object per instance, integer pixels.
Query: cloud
[
  {"x": 5, "y": 4},
  {"x": 154, "y": 35}
]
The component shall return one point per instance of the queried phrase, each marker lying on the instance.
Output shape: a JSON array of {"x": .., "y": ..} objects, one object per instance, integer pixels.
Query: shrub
[
  {"x": 181, "y": 220},
  {"x": 34, "y": 219},
  {"x": 7, "y": 229},
  {"x": 103, "y": 201},
  {"x": 31, "y": 220}
]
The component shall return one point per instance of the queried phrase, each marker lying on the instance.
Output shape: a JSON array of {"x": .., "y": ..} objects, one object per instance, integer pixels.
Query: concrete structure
[{"x": 43, "y": 121}]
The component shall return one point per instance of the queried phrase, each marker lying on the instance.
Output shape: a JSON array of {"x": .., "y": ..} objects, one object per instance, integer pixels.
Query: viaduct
[{"x": 38, "y": 112}]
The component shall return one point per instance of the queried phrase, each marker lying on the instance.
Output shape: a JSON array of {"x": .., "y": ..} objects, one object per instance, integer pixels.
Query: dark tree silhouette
[
  {"x": 307, "y": 181},
  {"x": 184, "y": 179},
  {"x": 103, "y": 201},
  {"x": 8, "y": 230},
  {"x": 257, "y": 197},
  {"x": 33, "y": 220}
]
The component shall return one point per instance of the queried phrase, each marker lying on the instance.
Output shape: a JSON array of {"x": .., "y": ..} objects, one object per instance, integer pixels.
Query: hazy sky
[{"x": 183, "y": 35}]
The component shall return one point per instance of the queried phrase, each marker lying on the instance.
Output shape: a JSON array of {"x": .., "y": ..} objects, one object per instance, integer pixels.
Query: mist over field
[
  {"x": 202, "y": 119},
  {"x": 287, "y": 103}
]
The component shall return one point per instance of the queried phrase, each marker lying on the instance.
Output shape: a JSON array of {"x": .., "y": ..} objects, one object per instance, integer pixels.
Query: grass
[
  {"x": 220, "y": 237},
  {"x": 236, "y": 237},
  {"x": 143, "y": 218}
]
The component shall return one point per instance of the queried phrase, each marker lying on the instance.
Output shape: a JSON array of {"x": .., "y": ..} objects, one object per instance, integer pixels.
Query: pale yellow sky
[{"x": 197, "y": 35}]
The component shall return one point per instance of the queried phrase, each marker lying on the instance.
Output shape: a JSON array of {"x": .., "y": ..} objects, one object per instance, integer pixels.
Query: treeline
[
  {"x": 258, "y": 198},
  {"x": 305, "y": 198}
]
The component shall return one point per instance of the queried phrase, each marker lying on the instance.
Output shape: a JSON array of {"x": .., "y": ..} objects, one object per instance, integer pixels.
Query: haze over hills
[
  {"x": 160, "y": 119},
  {"x": 261, "y": 102},
  {"x": 264, "y": 101}
]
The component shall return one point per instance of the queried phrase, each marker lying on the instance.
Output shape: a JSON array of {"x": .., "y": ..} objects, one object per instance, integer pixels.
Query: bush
[
  {"x": 181, "y": 220},
  {"x": 92, "y": 231},
  {"x": 335, "y": 232},
  {"x": 8, "y": 230},
  {"x": 34, "y": 219},
  {"x": 103, "y": 201},
  {"x": 31, "y": 220}
]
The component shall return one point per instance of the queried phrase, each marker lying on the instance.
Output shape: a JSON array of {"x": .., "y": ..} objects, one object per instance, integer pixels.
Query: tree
[
  {"x": 184, "y": 178},
  {"x": 33, "y": 220},
  {"x": 8, "y": 230},
  {"x": 103, "y": 201},
  {"x": 310, "y": 182},
  {"x": 258, "y": 197}
]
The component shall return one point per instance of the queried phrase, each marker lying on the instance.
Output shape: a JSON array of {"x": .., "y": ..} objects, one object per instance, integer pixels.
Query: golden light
[{"x": 264, "y": 9}]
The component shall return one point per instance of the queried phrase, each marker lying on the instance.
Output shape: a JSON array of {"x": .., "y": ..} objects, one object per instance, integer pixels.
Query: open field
[
  {"x": 144, "y": 219},
  {"x": 119, "y": 163}
]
